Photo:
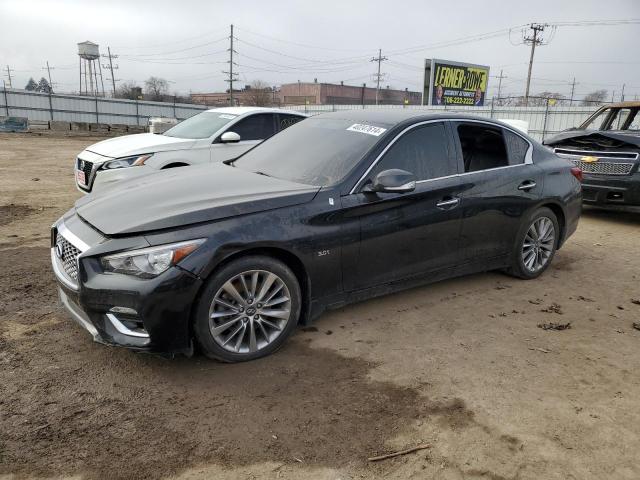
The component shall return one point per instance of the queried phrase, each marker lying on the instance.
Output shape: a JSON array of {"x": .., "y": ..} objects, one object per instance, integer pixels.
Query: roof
[
  {"x": 624, "y": 104},
  {"x": 395, "y": 116},
  {"x": 245, "y": 110}
]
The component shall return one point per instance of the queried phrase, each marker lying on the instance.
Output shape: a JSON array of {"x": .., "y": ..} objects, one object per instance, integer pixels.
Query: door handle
[
  {"x": 527, "y": 185},
  {"x": 448, "y": 202}
]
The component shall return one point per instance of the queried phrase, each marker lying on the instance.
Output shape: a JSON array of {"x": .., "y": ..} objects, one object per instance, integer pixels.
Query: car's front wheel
[
  {"x": 535, "y": 245},
  {"x": 247, "y": 309}
]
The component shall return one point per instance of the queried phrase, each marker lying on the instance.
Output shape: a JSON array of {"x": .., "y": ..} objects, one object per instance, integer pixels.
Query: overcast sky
[{"x": 286, "y": 41}]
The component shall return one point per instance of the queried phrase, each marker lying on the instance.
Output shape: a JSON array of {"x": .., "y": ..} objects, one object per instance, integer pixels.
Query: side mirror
[
  {"x": 393, "y": 181},
  {"x": 229, "y": 137}
]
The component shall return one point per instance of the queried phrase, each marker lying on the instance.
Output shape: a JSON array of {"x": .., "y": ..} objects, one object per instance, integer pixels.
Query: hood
[
  {"x": 184, "y": 196},
  {"x": 138, "y": 144},
  {"x": 591, "y": 138}
]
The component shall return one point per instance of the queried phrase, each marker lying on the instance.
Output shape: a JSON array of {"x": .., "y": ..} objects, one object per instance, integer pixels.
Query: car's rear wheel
[
  {"x": 247, "y": 310},
  {"x": 535, "y": 245}
]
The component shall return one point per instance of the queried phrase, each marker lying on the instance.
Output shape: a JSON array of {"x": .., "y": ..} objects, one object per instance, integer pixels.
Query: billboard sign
[{"x": 454, "y": 83}]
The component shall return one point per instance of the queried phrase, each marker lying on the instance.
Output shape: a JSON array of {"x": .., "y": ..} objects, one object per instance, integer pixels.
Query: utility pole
[
  {"x": 49, "y": 74},
  {"x": 534, "y": 40},
  {"x": 622, "y": 94},
  {"x": 573, "y": 89},
  {"x": 500, "y": 77},
  {"x": 112, "y": 68},
  {"x": 231, "y": 63},
  {"x": 9, "y": 75},
  {"x": 379, "y": 75}
]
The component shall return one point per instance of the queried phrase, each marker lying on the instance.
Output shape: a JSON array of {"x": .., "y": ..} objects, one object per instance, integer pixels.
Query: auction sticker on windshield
[{"x": 368, "y": 129}]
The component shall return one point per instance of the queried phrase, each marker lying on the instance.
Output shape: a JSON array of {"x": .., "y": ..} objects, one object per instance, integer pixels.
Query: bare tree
[
  {"x": 597, "y": 96},
  {"x": 259, "y": 94},
  {"x": 156, "y": 88},
  {"x": 129, "y": 90}
]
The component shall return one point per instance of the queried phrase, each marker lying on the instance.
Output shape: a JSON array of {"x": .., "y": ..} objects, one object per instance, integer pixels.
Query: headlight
[
  {"x": 149, "y": 262},
  {"x": 124, "y": 162}
]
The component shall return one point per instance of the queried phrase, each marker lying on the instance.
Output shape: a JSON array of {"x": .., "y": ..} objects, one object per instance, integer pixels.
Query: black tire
[
  {"x": 518, "y": 268},
  {"x": 210, "y": 344}
]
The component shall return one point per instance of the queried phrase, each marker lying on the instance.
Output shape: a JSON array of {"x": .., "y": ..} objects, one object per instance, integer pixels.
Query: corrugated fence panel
[
  {"x": 543, "y": 121},
  {"x": 73, "y": 108}
]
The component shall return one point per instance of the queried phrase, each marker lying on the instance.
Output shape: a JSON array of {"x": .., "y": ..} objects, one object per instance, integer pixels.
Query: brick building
[{"x": 314, "y": 93}]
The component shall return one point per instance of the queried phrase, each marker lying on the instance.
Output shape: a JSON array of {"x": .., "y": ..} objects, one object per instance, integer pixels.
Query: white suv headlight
[
  {"x": 149, "y": 262},
  {"x": 125, "y": 162}
]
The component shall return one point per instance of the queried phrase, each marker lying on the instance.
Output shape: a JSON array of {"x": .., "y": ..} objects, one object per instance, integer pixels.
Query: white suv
[{"x": 211, "y": 136}]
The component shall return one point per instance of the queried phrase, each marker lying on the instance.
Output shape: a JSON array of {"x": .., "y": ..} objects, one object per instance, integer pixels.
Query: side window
[
  {"x": 422, "y": 151},
  {"x": 483, "y": 147},
  {"x": 619, "y": 118},
  {"x": 288, "y": 120},
  {"x": 255, "y": 127},
  {"x": 634, "y": 124},
  {"x": 517, "y": 147}
]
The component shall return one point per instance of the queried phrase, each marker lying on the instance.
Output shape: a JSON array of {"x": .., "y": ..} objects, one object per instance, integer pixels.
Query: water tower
[{"x": 90, "y": 69}]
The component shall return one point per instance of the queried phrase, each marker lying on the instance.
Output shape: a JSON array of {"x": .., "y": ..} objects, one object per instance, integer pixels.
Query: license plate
[{"x": 80, "y": 177}]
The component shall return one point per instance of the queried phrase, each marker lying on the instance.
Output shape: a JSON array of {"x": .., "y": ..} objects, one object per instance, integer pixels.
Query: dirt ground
[{"x": 460, "y": 365}]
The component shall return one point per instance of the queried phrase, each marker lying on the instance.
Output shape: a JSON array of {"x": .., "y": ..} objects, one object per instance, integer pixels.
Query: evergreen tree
[
  {"x": 31, "y": 86},
  {"x": 43, "y": 86}
]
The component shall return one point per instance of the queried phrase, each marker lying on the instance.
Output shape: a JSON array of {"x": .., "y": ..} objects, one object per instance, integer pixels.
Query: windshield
[
  {"x": 614, "y": 119},
  {"x": 595, "y": 122},
  {"x": 202, "y": 125},
  {"x": 318, "y": 151}
]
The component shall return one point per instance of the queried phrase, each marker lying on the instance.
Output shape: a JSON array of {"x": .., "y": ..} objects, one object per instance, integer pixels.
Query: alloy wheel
[
  {"x": 538, "y": 244},
  {"x": 249, "y": 311}
]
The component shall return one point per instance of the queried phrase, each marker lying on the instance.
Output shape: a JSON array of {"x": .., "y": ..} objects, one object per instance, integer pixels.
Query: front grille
[
  {"x": 67, "y": 256},
  {"x": 86, "y": 167},
  {"x": 604, "y": 168},
  {"x": 606, "y": 163}
]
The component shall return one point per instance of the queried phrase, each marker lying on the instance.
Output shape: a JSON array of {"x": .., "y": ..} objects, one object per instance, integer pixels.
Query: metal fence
[
  {"x": 544, "y": 121},
  {"x": 75, "y": 108},
  {"x": 552, "y": 117}
]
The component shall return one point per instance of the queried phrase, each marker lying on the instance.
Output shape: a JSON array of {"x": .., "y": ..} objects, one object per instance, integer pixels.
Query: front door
[{"x": 406, "y": 234}]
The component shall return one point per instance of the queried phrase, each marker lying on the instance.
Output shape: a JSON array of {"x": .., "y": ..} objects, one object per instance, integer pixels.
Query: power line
[
  {"x": 534, "y": 40},
  {"x": 49, "y": 75},
  {"x": 9, "y": 76},
  {"x": 303, "y": 45},
  {"x": 111, "y": 68},
  {"x": 232, "y": 77},
  {"x": 378, "y": 75}
]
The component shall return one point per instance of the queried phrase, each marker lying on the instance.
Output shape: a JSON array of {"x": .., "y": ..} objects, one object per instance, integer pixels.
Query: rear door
[
  {"x": 252, "y": 129},
  {"x": 406, "y": 234},
  {"x": 500, "y": 184}
]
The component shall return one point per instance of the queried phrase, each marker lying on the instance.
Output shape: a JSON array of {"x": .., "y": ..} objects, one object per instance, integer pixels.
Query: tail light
[{"x": 577, "y": 172}]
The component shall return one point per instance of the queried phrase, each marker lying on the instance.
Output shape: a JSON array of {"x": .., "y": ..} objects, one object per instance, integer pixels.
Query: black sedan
[{"x": 338, "y": 208}]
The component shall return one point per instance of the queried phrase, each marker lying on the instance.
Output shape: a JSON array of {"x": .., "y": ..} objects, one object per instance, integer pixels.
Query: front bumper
[
  {"x": 121, "y": 310},
  {"x": 610, "y": 190}
]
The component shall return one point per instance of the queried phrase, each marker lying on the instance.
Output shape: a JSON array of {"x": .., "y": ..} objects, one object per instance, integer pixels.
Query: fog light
[{"x": 124, "y": 311}]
